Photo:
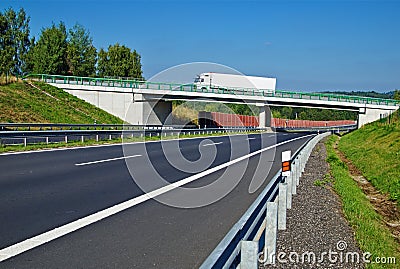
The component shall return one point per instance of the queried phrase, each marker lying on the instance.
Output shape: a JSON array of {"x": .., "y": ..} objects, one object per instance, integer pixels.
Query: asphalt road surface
[{"x": 160, "y": 224}]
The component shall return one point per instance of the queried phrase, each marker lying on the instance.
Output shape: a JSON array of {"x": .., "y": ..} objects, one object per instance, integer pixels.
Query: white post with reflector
[
  {"x": 286, "y": 167},
  {"x": 286, "y": 163}
]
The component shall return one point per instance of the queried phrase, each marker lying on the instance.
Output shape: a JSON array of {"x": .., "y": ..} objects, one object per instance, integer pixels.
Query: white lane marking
[
  {"x": 251, "y": 138},
  {"x": 110, "y": 145},
  {"x": 51, "y": 235},
  {"x": 210, "y": 144},
  {"x": 271, "y": 135},
  {"x": 285, "y": 134},
  {"x": 108, "y": 160}
]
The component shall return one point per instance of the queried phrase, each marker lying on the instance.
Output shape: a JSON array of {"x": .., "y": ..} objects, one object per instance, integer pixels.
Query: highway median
[{"x": 93, "y": 142}]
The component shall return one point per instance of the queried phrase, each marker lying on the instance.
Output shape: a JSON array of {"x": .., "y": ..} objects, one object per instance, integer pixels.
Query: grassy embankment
[
  {"x": 19, "y": 102},
  {"x": 374, "y": 149}
]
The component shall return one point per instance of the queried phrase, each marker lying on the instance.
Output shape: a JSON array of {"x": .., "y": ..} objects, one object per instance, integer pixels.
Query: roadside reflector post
[
  {"x": 286, "y": 163},
  {"x": 47, "y": 140},
  {"x": 282, "y": 206},
  {"x": 298, "y": 167},
  {"x": 25, "y": 142},
  {"x": 271, "y": 222},
  {"x": 97, "y": 138},
  {"x": 82, "y": 139},
  {"x": 248, "y": 255},
  {"x": 294, "y": 180},
  {"x": 66, "y": 139},
  {"x": 289, "y": 181}
]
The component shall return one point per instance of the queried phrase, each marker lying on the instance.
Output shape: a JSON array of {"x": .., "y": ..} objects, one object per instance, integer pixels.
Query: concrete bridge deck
[{"x": 143, "y": 102}]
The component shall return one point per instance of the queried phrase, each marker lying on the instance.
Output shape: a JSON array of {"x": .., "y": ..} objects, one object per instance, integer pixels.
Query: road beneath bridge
[{"x": 40, "y": 191}]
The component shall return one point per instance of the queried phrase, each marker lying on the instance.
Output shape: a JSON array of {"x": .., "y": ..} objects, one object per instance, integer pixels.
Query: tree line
[
  {"x": 385, "y": 95},
  {"x": 60, "y": 51}
]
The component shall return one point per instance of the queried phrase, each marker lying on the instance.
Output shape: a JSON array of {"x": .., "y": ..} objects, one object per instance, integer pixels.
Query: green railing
[{"x": 137, "y": 84}]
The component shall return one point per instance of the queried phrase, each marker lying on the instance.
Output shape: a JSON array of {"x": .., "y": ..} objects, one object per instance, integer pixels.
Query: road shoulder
[{"x": 317, "y": 233}]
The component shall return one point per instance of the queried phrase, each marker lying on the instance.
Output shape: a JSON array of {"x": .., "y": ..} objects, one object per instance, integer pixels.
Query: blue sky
[{"x": 306, "y": 45}]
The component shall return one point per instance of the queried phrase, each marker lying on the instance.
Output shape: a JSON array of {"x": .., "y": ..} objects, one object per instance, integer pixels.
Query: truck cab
[{"x": 203, "y": 81}]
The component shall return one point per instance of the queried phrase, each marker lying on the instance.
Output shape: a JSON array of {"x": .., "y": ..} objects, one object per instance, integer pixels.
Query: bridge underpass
[{"x": 141, "y": 103}]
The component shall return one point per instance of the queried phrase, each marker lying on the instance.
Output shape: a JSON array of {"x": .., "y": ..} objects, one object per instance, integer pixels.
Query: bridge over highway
[{"x": 143, "y": 102}]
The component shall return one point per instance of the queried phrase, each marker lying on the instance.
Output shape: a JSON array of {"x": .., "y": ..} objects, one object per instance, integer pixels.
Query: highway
[{"x": 40, "y": 191}]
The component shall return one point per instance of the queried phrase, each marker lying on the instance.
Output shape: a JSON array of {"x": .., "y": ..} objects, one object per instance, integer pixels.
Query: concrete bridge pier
[
  {"x": 149, "y": 110},
  {"x": 265, "y": 116},
  {"x": 367, "y": 115}
]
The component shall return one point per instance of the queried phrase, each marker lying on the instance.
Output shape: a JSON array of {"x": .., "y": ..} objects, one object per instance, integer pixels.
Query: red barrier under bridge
[{"x": 217, "y": 119}]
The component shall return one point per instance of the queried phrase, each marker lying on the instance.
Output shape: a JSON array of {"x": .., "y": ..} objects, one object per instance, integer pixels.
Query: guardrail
[
  {"x": 136, "y": 84},
  {"x": 55, "y": 136},
  {"x": 341, "y": 128},
  {"x": 66, "y": 126},
  {"x": 33, "y": 133},
  {"x": 252, "y": 225}
]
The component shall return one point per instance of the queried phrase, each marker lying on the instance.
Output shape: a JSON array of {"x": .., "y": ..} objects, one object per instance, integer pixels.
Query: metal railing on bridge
[{"x": 136, "y": 84}]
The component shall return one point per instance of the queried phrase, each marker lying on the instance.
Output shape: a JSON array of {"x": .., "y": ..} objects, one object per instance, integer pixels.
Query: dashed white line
[
  {"x": 51, "y": 235},
  {"x": 251, "y": 138},
  {"x": 108, "y": 160},
  {"x": 210, "y": 144}
]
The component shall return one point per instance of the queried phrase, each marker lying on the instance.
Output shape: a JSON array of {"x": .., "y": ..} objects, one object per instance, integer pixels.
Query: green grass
[
  {"x": 370, "y": 232},
  {"x": 322, "y": 182},
  {"x": 375, "y": 150},
  {"x": 20, "y": 103}
]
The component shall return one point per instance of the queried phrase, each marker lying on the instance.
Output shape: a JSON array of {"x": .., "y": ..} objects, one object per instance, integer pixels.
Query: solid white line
[
  {"x": 205, "y": 145},
  {"x": 48, "y": 236},
  {"x": 108, "y": 160}
]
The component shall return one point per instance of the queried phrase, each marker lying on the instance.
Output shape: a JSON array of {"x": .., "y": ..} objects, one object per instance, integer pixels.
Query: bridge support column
[
  {"x": 367, "y": 115},
  {"x": 149, "y": 110},
  {"x": 264, "y": 120}
]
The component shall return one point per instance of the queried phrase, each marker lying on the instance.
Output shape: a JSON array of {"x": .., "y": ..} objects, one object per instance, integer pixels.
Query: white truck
[{"x": 234, "y": 82}]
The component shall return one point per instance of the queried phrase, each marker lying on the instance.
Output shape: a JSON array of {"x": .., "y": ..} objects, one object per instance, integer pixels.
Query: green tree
[
  {"x": 6, "y": 50},
  {"x": 49, "y": 53},
  {"x": 81, "y": 54},
  {"x": 396, "y": 95},
  {"x": 119, "y": 61},
  {"x": 102, "y": 63},
  {"x": 287, "y": 112},
  {"x": 14, "y": 41},
  {"x": 244, "y": 109},
  {"x": 137, "y": 65}
]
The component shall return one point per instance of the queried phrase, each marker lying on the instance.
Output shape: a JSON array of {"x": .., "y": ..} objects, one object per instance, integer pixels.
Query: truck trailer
[{"x": 230, "y": 81}]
